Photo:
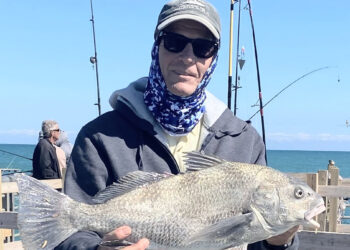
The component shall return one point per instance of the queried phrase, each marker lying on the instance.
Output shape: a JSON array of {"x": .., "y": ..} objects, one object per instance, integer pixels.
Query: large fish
[{"x": 214, "y": 205}]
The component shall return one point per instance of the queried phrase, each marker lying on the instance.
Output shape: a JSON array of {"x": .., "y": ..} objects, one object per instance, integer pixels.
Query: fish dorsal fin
[
  {"x": 196, "y": 161},
  {"x": 126, "y": 184}
]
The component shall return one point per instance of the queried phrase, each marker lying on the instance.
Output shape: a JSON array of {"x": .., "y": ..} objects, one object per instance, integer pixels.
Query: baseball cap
[{"x": 197, "y": 10}]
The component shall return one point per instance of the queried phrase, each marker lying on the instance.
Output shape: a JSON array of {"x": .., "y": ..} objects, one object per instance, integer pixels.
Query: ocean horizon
[{"x": 18, "y": 156}]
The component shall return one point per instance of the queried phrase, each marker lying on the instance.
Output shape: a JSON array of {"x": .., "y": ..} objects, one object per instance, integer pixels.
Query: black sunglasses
[{"x": 202, "y": 48}]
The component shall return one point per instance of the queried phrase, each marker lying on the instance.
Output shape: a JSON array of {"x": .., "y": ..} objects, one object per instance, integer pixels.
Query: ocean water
[
  {"x": 284, "y": 160},
  {"x": 308, "y": 161}
]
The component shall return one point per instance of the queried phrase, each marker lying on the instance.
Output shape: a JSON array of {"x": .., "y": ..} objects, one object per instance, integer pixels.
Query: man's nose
[{"x": 187, "y": 53}]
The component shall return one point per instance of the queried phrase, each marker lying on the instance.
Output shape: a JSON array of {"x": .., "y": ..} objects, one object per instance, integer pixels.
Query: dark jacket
[
  {"x": 128, "y": 139},
  {"x": 45, "y": 163}
]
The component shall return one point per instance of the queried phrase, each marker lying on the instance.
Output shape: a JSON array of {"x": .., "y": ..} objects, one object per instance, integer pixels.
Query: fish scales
[
  {"x": 215, "y": 207},
  {"x": 175, "y": 197}
]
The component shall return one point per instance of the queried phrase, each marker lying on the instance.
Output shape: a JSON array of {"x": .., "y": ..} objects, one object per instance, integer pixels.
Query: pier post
[{"x": 333, "y": 202}]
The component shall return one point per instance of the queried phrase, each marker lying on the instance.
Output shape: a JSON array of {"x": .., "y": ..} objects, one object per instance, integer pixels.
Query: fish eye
[{"x": 298, "y": 193}]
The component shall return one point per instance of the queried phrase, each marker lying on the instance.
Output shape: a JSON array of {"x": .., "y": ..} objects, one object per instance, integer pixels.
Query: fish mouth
[{"x": 312, "y": 213}]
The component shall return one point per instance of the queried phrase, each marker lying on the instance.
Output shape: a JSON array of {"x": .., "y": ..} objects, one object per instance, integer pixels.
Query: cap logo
[{"x": 193, "y": 4}]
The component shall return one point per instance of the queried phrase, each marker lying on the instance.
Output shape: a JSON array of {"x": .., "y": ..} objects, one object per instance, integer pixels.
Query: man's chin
[
  {"x": 183, "y": 88},
  {"x": 181, "y": 92}
]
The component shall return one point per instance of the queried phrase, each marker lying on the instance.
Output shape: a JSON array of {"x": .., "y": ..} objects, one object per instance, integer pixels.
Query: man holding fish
[{"x": 158, "y": 118}]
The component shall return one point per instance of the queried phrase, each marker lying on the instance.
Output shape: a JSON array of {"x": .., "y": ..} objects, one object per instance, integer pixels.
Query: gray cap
[{"x": 197, "y": 10}]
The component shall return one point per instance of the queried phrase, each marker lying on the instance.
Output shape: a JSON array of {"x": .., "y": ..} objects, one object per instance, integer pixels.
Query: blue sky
[{"x": 45, "y": 72}]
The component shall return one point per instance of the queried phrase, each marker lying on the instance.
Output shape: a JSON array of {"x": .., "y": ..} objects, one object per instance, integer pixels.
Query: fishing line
[
  {"x": 309, "y": 73},
  {"x": 15, "y": 154}
]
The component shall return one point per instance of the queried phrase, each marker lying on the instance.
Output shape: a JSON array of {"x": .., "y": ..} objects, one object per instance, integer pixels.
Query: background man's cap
[{"x": 197, "y": 10}]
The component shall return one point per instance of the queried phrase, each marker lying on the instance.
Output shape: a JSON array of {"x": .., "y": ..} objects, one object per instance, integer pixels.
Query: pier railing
[
  {"x": 332, "y": 234},
  {"x": 334, "y": 189}
]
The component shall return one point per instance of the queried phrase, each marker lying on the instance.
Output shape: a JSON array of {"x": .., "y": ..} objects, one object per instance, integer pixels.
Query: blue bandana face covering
[{"x": 177, "y": 115}]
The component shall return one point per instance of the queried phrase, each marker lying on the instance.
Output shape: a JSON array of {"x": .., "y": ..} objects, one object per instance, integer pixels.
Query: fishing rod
[
  {"x": 258, "y": 76},
  {"x": 93, "y": 60},
  {"x": 236, "y": 78},
  {"x": 309, "y": 73},
  {"x": 15, "y": 154},
  {"x": 229, "y": 91}
]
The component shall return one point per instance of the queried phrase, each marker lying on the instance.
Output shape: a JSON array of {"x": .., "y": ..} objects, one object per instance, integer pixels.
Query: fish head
[
  {"x": 281, "y": 202},
  {"x": 302, "y": 203}
]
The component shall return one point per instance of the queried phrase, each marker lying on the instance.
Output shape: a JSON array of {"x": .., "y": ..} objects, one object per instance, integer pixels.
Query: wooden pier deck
[{"x": 332, "y": 235}]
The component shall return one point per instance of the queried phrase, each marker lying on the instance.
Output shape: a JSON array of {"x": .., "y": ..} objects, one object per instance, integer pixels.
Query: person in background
[
  {"x": 45, "y": 162},
  {"x": 41, "y": 135},
  {"x": 158, "y": 118},
  {"x": 64, "y": 144}
]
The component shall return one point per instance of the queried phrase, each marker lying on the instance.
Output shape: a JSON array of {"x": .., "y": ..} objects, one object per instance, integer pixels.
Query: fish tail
[{"x": 43, "y": 221}]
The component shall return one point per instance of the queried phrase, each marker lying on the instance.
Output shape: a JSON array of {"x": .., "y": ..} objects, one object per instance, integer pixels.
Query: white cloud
[
  {"x": 25, "y": 132},
  {"x": 26, "y": 136},
  {"x": 287, "y": 137},
  {"x": 293, "y": 137}
]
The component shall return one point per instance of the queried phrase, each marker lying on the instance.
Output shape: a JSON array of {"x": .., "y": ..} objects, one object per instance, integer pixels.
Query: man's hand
[
  {"x": 121, "y": 233},
  {"x": 283, "y": 238}
]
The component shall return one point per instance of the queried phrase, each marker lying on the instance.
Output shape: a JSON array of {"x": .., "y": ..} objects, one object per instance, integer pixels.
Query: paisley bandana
[{"x": 177, "y": 115}]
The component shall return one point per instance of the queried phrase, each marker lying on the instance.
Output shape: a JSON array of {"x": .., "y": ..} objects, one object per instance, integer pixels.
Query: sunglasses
[
  {"x": 202, "y": 48},
  {"x": 57, "y": 130}
]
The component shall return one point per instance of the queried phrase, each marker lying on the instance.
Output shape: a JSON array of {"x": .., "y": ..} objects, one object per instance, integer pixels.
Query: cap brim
[{"x": 203, "y": 21}]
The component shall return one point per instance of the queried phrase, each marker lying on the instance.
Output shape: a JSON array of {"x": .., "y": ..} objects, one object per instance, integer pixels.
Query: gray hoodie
[{"x": 129, "y": 139}]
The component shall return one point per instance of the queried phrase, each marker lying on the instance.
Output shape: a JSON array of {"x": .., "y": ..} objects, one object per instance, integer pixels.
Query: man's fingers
[
  {"x": 118, "y": 234},
  {"x": 122, "y": 232},
  {"x": 140, "y": 245}
]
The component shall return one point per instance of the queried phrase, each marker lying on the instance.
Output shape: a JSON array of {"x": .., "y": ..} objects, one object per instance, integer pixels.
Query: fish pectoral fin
[
  {"x": 126, "y": 184},
  {"x": 227, "y": 228}
]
